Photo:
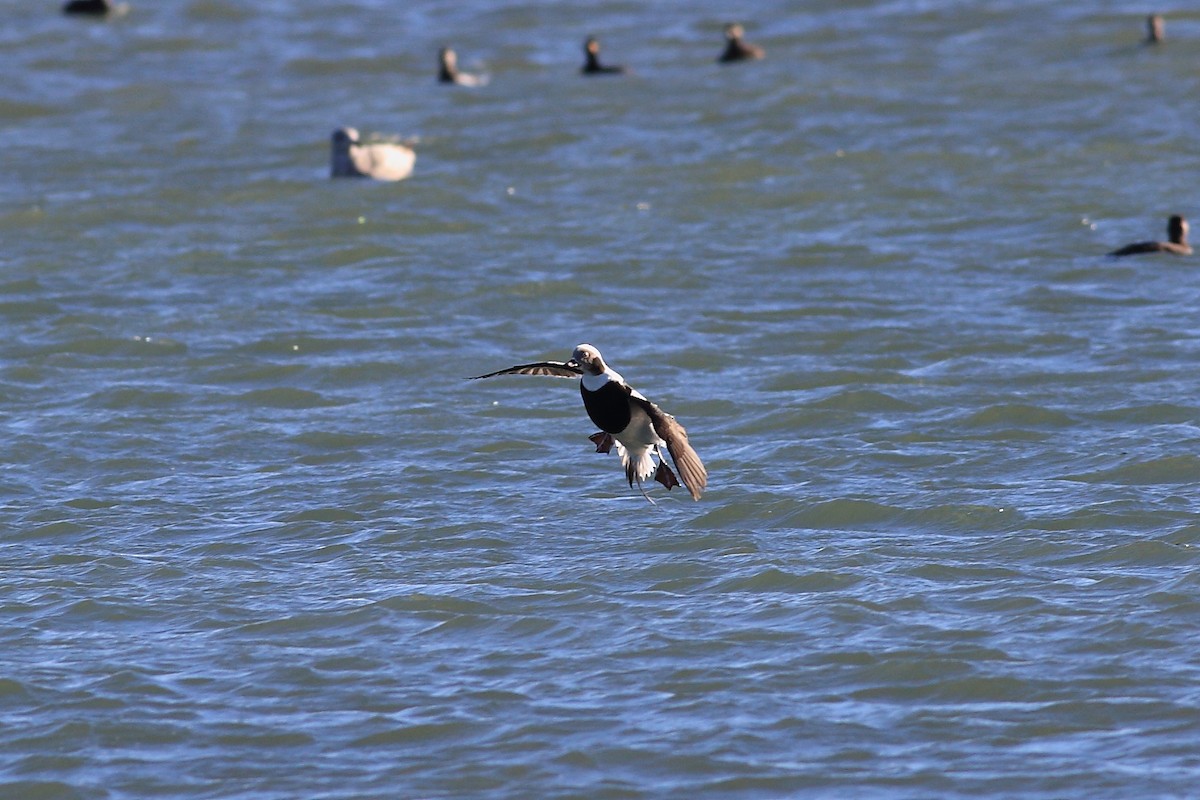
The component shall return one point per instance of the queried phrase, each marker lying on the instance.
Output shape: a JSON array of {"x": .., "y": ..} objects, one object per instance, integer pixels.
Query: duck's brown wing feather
[
  {"x": 554, "y": 369},
  {"x": 690, "y": 467}
]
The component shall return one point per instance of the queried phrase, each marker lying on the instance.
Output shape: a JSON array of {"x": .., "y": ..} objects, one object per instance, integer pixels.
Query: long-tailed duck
[
  {"x": 1155, "y": 29},
  {"x": 637, "y": 427},
  {"x": 382, "y": 161},
  {"x": 1176, "y": 244},
  {"x": 592, "y": 65},
  {"x": 94, "y": 8},
  {"x": 448, "y": 70},
  {"x": 736, "y": 49}
]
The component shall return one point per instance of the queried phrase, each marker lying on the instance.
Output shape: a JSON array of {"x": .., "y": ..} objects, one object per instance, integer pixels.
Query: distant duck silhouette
[
  {"x": 736, "y": 49},
  {"x": 1177, "y": 244},
  {"x": 94, "y": 8},
  {"x": 448, "y": 70},
  {"x": 382, "y": 161},
  {"x": 592, "y": 65},
  {"x": 1156, "y": 29}
]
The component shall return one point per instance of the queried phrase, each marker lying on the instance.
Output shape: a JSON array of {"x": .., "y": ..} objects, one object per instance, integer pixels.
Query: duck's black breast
[{"x": 608, "y": 406}]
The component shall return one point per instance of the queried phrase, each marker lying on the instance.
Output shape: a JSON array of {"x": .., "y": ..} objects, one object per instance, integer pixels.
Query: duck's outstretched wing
[
  {"x": 690, "y": 467},
  {"x": 554, "y": 369}
]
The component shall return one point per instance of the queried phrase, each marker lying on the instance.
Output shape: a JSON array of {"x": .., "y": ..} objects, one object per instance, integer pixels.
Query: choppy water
[{"x": 261, "y": 539}]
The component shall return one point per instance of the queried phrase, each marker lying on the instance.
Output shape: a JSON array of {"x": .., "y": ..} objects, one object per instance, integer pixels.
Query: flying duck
[
  {"x": 592, "y": 65},
  {"x": 736, "y": 49},
  {"x": 637, "y": 427},
  {"x": 382, "y": 161},
  {"x": 1177, "y": 244},
  {"x": 448, "y": 70}
]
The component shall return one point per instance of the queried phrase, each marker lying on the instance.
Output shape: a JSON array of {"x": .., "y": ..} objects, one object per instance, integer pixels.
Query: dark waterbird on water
[
  {"x": 94, "y": 8},
  {"x": 637, "y": 427},
  {"x": 448, "y": 71},
  {"x": 592, "y": 65},
  {"x": 1156, "y": 29},
  {"x": 1176, "y": 244},
  {"x": 736, "y": 49}
]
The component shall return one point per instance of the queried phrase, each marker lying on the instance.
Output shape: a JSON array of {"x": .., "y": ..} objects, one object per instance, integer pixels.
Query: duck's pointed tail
[{"x": 639, "y": 466}]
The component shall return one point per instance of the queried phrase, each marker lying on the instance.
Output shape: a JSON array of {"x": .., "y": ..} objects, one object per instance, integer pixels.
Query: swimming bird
[
  {"x": 448, "y": 70},
  {"x": 1176, "y": 244},
  {"x": 637, "y": 427},
  {"x": 592, "y": 65},
  {"x": 382, "y": 161},
  {"x": 736, "y": 49},
  {"x": 1155, "y": 29},
  {"x": 94, "y": 8}
]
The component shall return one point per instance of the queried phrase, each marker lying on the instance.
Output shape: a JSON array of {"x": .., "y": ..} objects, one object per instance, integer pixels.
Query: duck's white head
[{"x": 589, "y": 359}]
